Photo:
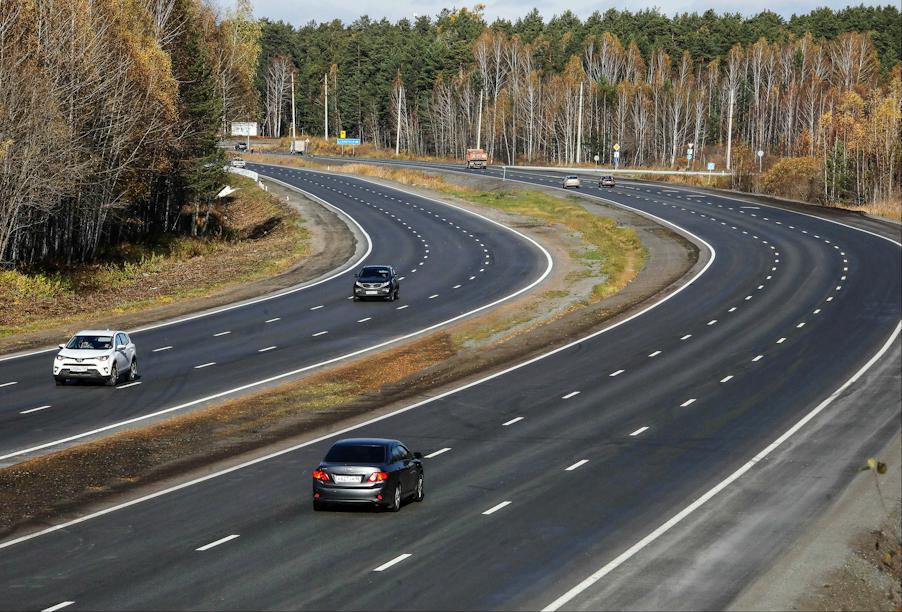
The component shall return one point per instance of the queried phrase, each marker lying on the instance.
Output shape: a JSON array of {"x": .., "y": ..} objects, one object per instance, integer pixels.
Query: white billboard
[{"x": 244, "y": 128}]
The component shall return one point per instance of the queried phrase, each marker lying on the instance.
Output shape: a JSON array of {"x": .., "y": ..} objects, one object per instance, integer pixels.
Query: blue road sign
[
  {"x": 348, "y": 141},
  {"x": 710, "y": 165}
]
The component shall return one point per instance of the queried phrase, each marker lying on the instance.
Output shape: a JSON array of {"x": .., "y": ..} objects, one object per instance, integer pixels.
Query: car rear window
[{"x": 356, "y": 453}]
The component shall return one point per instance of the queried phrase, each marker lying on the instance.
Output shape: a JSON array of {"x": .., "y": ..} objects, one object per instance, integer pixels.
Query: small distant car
[
  {"x": 238, "y": 163},
  {"x": 371, "y": 471},
  {"x": 92, "y": 354},
  {"x": 571, "y": 182},
  {"x": 241, "y": 146},
  {"x": 377, "y": 282},
  {"x": 606, "y": 181}
]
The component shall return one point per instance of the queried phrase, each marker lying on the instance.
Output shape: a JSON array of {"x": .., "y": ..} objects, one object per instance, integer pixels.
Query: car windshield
[
  {"x": 356, "y": 453},
  {"x": 91, "y": 343},
  {"x": 375, "y": 272}
]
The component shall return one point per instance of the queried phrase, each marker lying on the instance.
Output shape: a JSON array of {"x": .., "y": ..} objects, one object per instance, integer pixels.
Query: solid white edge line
[
  {"x": 350, "y": 265},
  {"x": 496, "y": 508},
  {"x": 437, "y": 453},
  {"x": 30, "y": 410},
  {"x": 58, "y": 606},
  {"x": 394, "y": 561},
  {"x": 547, "y": 271},
  {"x": 127, "y": 385},
  {"x": 677, "y": 518},
  {"x": 7, "y": 384},
  {"x": 217, "y": 543}
]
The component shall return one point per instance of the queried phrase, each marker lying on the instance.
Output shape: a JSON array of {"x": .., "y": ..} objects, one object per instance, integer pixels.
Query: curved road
[
  {"x": 452, "y": 262},
  {"x": 537, "y": 476}
]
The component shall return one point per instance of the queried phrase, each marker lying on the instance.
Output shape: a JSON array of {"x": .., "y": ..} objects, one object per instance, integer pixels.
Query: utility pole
[
  {"x": 479, "y": 122},
  {"x": 398, "y": 135},
  {"x": 579, "y": 125},
  {"x": 730, "y": 132},
  {"x": 291, "y": 148},
  {"x": 326, "y": 105}
]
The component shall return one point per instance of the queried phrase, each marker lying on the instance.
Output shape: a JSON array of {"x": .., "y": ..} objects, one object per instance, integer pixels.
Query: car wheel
[
  {"x": 398, "y": 294},
  {"x": 391, "y": 297},
  {"x": 395, "y": 504},
  {"x": 133, "y": 370},
  {"x": 419, "y": 493},
  {"x": 114, "y": 376},
  {"x": 318, "y": 506}
]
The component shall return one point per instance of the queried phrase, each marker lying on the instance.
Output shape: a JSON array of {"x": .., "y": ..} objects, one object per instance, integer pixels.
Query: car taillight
[
  {"x": 377, "y": 477},
  {"x": 320, "y": 475}
]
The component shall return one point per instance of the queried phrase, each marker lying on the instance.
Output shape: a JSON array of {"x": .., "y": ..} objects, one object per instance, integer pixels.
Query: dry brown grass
[{"x": 888, "y": 209}]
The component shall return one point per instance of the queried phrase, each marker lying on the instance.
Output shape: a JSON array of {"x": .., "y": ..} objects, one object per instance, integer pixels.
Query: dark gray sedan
[{"x": 373, "y": 471}]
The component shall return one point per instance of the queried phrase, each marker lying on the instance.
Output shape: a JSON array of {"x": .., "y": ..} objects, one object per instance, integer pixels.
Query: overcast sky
[{"x": 299, "y": 12}]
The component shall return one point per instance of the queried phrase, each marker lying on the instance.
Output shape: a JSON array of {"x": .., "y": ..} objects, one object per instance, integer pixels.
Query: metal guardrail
[{"x": 617, "y": 171}]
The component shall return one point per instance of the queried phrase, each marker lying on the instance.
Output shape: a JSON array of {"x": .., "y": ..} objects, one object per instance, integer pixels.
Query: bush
[{"x": 796, "y": 178}]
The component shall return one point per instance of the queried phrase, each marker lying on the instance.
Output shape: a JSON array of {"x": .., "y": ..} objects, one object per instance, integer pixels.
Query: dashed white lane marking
[
  {"x": 688, "y": 402},
  {"x": 131, "y": 384},
  {"x": 732, "y": 309},
  {"x": 30, "y": 410},
  {"x": 225, "y": 333},
  {"x": 273, "y": 320},
  {"x": 9, "y": 384},
  {"x": 217, "y": 542},
  {"x": 830, "y": 299},
  {"x": 747, "y": 298},
  {"x": 512, "y": 421},
  {"x": 686, "y": 337},
  {"x": 497, "y": 507},
  {"x": 432, "y": 297},
  {"x": 364, "y": 320},
  {"x": 576, "y": 465},
  {"x": 571, "y": 394},
  {"x": 800, "y": 325},
  {"x": 456, "y": 287},
  {"x": 758, "y": 358},
  {"x": 472, "y": 278},
  {"x": 318, "y": 307},
  {"x": 204, "y": 365},
  {"x": 638, "y": 431},
  {"x": 655, "y": 354},
  {"x": 320, "y": 333},
  {"x": 437, "y": 453},
  {"x": 162, "y": 348},
  {"x": 726, "y": 378},
  {"x": 712, "y": 321},
  {"x": 58, "y": 606},
  {"x": 268, "y": 348},
  {"x": 394, "y": 561},
  {"x": 781, "y": 340},
  {"x": 617, "y": 373},
  {"x": 817, "y": 311}
]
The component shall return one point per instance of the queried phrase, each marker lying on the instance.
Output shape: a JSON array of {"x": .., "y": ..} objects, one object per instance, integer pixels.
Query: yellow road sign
[
  {"x": 616, "y": 147},
  {"x": 343, "y": 134}
]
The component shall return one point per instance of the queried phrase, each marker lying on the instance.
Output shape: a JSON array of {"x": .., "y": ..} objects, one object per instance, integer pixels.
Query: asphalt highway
[
  {"x": 537, "y": 476},
  {"x": 452, "y": 262}
]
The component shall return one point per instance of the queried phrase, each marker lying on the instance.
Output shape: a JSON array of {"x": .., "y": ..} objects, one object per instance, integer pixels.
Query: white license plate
[
  {"x": 372, "y": 293},
  {"x": 78, "y": 369},
  {"x": 341, "y": 478}
]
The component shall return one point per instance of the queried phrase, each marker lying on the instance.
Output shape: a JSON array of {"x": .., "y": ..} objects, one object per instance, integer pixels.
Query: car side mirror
[
  {"x": 418, "y": 455},
  {"x": 121, "y": 347},
  {"x": 62, "y": 346}
]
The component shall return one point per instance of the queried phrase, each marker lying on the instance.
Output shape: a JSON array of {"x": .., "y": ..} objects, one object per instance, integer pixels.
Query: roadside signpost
[
  {"x": 616, "y": 156},
  {"x": 246, "y": 129},
  {"x": 596, "y": 158},
  {"x": 760, "y": 160},
  {"x": 711, "y": 166},
  {"x": 348, "y": 141}
]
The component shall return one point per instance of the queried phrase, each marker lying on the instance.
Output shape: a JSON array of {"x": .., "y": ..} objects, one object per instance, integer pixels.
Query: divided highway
[
  {"x": 536, "y": 477},
  {"x": 452, "y": 262}
]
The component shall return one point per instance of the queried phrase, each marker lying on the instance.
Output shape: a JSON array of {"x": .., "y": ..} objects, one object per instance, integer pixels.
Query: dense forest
[
  {"x": 818, "y": 93},
  {"x": 110, "y": 115}
]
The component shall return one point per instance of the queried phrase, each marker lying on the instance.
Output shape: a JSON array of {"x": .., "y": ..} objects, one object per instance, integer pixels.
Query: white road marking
[
  {"x": 456, "y": 287},
  {"x": 781, "y": 340},
  {"x": 402, "y": 307},
  {"x": 817, "y": 311},
  {"x": 394, "y": 561},
  {"x": 318, "y": 307},
  {"x": 217, "y": 542},
  {"x": 732, "y": 309},
  {"x": 686, "y": 337},
  {"x": 320, "y": 333},
  {"x": 496, "y": 508},
  {"x": 34, "y": 409},
  {"x": 162, "y": 348},
  {"x": 131, "y": 384},
  {"x": 830, "y": 299},
  {"x": 58, "y": 606},
  {"x": 800, "y": 325},
  {"x": 617, "y": 373},
  {"x": 578, "y": 464},
  {"x": 268, "y": 348},
  {"x": 225, "y": 333},
  {"x": 747, "y": 298},
  {"x": 512, "y": 421},
  {"x": 638, "y": 431},
  {"x": 712, "y": 321},
  {"x": 7, "y": 384},
  {"x": 571, "y": 394},
  {"x": 655, "y": 354},
  {"x": 726, "y": 378},
  {"x": 273, "y": 320},
  {"x": 364, "y": 320},
  {"x": 437, "y": 453},
  {"x": 204, "y": 365},
  {"x": 688, "y": 402},
  {"x": 432, "y": 297},
  {"x": 758, "y": 358}
]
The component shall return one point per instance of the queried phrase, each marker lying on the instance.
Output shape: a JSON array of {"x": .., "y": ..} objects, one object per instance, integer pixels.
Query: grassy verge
[{"x": 260, "y": 237}]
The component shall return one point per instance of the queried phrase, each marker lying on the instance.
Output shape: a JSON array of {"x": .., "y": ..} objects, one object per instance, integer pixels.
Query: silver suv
[{"x": 96, "y": 355}]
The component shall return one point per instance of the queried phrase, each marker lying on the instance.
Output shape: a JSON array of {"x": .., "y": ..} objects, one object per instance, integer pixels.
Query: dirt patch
[
  {"x": 124, "y": 464},
  {"x": 278, "y": 243}
]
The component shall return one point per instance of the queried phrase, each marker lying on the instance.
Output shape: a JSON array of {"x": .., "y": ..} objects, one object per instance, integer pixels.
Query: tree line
[
  {"x": 110, "y": 115},
  {"x": 821, "y": 87}
]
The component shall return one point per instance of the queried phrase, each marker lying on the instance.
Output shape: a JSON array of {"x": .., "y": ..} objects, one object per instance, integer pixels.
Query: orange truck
[{"x": 476, "y": 158}]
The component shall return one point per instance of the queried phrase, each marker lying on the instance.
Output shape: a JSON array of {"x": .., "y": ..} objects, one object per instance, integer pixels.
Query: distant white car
[
  {"x": 571, "y": 181},
  {"x": 96, "y": 355},
  {"x": 238, "y": 163}
]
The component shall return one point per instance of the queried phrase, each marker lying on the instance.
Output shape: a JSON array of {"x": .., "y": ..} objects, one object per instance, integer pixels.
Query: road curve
[
  {"x": 539, "y": 475},
  {"x": 452, "y": 263}
]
